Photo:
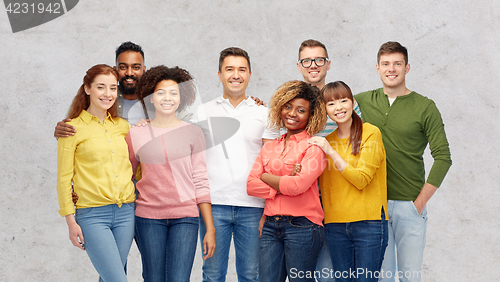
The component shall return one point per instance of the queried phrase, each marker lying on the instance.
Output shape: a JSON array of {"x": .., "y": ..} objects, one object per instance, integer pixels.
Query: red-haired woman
[
  {"x": 95, "y": 163},
  {"x": 353, "y": 188}
]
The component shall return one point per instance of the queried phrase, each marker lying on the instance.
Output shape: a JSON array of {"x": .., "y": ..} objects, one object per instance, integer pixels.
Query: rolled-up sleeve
[
  {"x": 255, "y": 186},
  {"x": 65, "y": 171}
]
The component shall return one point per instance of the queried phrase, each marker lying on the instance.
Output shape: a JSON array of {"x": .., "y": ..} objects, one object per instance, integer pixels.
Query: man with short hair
[
  {"x": 408, "y": 122},
  {"x": 237, "y": 129},
  {"x": 314, "y": 64},
  {"x": 130, "y": 67}
]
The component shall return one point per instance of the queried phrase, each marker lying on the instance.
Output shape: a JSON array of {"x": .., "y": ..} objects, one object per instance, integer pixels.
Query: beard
[{"x": 127, "y": 90}]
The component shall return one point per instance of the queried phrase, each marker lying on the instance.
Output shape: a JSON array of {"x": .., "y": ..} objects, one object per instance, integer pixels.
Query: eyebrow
[
  {"x": 102, "y": 83},
  {"x": 241, "y": 67},
  {"x": 135, "y": 64}
]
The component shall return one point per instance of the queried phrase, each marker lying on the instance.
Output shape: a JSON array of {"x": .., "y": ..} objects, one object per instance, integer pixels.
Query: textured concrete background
[{"x": 453, "y": 53}]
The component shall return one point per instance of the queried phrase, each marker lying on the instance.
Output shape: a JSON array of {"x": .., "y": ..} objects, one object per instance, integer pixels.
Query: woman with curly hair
[
  {"x": 292, "y": 234},
  {"x": 354, "y": 188},
  {"x": 94, "y": 163},
  {"x": 174, "y": 187}
]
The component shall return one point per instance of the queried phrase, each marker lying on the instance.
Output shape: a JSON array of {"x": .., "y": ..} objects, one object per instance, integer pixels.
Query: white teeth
[{"x": 340, "y": 115}]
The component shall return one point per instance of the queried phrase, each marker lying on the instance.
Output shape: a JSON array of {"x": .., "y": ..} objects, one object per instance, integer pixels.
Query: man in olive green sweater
[{"x": 408, "y": 121}]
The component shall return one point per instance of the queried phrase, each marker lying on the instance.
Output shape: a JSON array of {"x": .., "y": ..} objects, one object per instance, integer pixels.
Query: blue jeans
[
  {"x": 108, "y": 232},
  {"x": 407, "y": 231},
  {"x": 241, "y": 224},
  {"x": 167, "y": 247},
  {"x": 289, "y": 246},
  {"x": 324, "y": 266},
  {"x": 357, "y": 249}
]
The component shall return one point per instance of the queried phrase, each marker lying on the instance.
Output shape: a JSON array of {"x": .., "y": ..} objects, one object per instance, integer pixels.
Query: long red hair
[
  {"x": 82, "y": 100},
  {"x": 338, "y": 90}
]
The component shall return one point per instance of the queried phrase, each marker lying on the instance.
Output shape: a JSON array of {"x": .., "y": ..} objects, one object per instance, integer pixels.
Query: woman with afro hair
[
  {"x": 293, "y": 232},
  {"x": 174, "y": 188}
]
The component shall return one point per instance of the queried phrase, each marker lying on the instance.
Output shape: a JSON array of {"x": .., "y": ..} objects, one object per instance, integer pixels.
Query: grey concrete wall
[{"x": 453, "y": 53}]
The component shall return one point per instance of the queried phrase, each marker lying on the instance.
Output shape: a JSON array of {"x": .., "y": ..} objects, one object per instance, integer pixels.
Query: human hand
[
  {"x": 63, "y": 129},
  {"x": 296, "y": 169},
  {"x": 74, "y": 197},
  {"x": 322, "y": 143},
  {"x": 141, "y": 123},
  {"x": 75, "y": 232},
  {"x": 258, "y": 101},
  {"x": 261, "y": 225},
  {"x": 209, "y": 245},
  {"x": 419, "y": 207}
]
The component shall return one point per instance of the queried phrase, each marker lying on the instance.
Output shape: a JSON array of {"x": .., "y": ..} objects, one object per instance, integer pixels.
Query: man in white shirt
[{"x": 236, "y": 128}]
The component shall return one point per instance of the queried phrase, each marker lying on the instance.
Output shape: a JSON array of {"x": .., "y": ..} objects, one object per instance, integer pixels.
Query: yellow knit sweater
[{"x": 360, "y": 191}]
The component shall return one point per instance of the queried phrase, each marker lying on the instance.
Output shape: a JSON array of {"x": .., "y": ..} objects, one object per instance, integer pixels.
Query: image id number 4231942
[{"x": 32, "y": 8}]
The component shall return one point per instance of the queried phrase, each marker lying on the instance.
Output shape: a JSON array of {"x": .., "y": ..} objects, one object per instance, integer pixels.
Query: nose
[
  {"x": 167, "y": 97},
  {"x": 107, "y": 92},
  {"x": 128, "y": 71},
  {"x": 236, "y": 74},
  {"x": 292, "y": 112}
]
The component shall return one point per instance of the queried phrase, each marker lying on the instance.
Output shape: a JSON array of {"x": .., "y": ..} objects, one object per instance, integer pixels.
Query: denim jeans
[
  {"x": 405, "y": 252},
  {"x": 357, "y": 249},
  {"x": 324, "y": 266},
  {"x": 241, "y": 224},
  {"x": 289, "y": 246},
  {"x": 108, "y": 232},
  {"x": 167, "y": 247}
]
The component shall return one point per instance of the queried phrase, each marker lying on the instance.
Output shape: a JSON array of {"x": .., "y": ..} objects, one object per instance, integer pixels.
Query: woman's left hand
[
  {"x": 321, "y": 142},
  {"x": 209, "y": 245}
]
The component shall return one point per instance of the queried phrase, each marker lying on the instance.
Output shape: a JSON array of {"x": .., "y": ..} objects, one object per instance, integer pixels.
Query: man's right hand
[
  {"x": 63, "y": 129},
  {"x": 74, "y": 197}
]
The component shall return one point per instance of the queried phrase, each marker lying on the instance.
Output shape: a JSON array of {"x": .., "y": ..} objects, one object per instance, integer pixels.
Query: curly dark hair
[
  {"x": 155, "y": 75},
  {"x": 298, "y": 89}
]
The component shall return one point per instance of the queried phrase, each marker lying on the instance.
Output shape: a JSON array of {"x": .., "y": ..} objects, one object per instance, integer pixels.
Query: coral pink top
[{"x": 299, "y": 194}]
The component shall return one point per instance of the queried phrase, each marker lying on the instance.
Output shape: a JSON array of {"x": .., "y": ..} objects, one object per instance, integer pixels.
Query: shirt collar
[
  {"x": 297, "y": 137},
  {"x": 249, "y": 101},
  {"x": 87, "y": 117}
]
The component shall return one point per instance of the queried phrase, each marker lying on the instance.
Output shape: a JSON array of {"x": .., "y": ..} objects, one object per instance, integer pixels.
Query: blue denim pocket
[
  {"x": 300, "y": 222},
  {"x": 83, "y": 212},
  {"x": 414, "y": 209}
]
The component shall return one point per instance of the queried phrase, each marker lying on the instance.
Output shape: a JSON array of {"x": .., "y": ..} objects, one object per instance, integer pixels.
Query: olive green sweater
[{"x": 407, "y": 127}]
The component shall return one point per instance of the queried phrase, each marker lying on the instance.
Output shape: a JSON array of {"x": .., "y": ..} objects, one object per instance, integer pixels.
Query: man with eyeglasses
[{"x": 314, "y": 64}]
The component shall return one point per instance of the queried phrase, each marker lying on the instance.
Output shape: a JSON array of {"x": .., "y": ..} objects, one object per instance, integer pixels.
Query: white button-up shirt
[{"x": 234, "y": 139}]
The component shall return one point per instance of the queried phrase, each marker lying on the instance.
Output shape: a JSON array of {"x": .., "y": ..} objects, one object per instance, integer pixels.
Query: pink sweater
[
  {"x": 174, "y": 173},
  {"x": 300, "y": 196}
]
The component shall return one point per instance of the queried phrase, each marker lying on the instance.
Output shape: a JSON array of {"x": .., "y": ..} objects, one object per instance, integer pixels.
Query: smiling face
[
  {"x": 392, "y": 70},
  {"x": 102, "y": 93},
  {"x": 166, "y": 98},
  {"x": 235, "y": 76},
  {"x": 314, "y": 75},
  {"x": 340, "y": 110},
  {"x": 130, "y": 67},
  {"x": 295, "y": 115}
]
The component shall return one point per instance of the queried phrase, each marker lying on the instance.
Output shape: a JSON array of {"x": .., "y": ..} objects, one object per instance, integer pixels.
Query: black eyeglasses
[{"x": 319, "y": 61}]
